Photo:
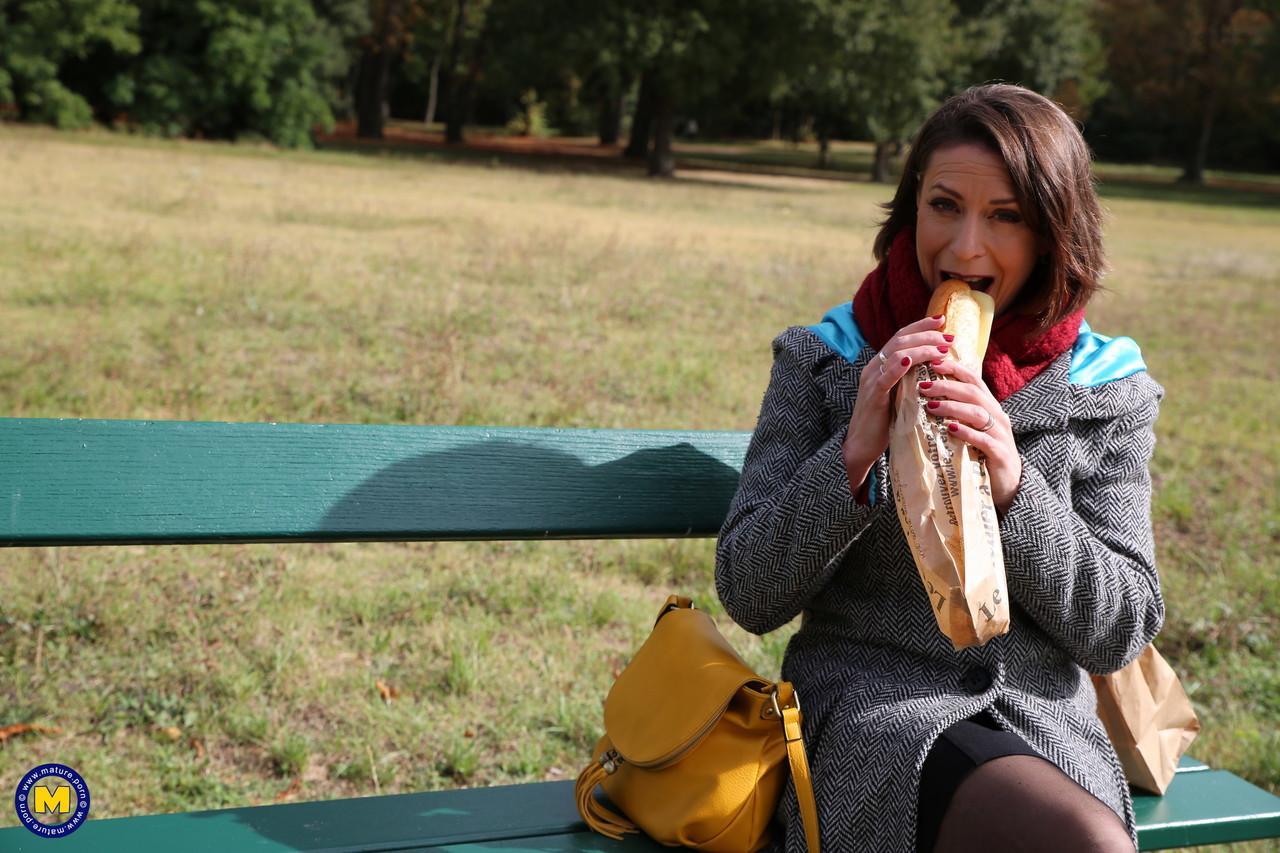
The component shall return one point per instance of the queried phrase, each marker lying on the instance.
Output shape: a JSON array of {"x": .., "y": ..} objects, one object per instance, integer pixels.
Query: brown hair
[{"x": 1049, "y": 165}]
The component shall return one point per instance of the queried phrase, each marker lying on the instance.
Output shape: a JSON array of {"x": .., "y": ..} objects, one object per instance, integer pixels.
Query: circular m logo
[{"x": 52, "y": 800}]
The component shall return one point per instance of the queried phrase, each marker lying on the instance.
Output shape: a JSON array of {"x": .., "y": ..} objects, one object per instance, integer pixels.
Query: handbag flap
[{"x": 674, "y": 689}]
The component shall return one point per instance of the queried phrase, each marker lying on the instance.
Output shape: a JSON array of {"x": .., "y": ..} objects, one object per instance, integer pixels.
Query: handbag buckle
[{"x": 774, "y": 710}]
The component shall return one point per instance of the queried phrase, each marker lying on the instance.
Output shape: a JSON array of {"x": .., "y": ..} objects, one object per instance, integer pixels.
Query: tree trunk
[
  {"x": 433, "y": 91},
  {"x": 1194, "y": 172},
  {"x": 372, "y": 108},
  {"x": 824, "y": 147},
  {"x": 453, "y": 120},
  {"x": 455, "y": 109},
  {"x": 1214, "y": 46},
  {"x": 459, "y": 108},
  {"x": 642, "y": 120},
  {"x": 880, "y": 168},
  {"x": 610, "y": 116},
  {"x": 662, "y": 162},
  {"x": 371, "y": 88}
]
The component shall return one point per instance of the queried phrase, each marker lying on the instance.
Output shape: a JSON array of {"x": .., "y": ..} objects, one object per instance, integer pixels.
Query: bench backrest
[{"x": 85, "y": 482}]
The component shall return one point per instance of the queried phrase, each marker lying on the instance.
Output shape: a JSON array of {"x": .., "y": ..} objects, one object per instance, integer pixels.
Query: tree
[
  {"x": 905, "y": 71},
  {"x": 686, "y": 50},
  {"x": 341, "y": 24},
  {"x": 228, "y": 69},
  {"x": 391, "y": 22},
  {"x": 1209, "y": 61},
  {"x": 38, "y": 37},
  {"x": 1051, "y": 46},
  {"x": 537, "y": 51},
  {"x": 602, "y": 55},
  {"x": 464, "y": 63},
  {"x": 873, "y": 61}
]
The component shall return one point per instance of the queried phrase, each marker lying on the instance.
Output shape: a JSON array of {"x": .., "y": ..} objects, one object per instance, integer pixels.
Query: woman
[{"x": 914, "y": 745}]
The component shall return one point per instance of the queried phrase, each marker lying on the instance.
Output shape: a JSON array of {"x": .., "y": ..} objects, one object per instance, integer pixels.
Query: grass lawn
[{"x": 147, "y": 279}]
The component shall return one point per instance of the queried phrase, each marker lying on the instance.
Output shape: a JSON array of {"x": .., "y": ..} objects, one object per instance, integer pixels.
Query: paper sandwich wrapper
[{"x": 943, "y": 494}]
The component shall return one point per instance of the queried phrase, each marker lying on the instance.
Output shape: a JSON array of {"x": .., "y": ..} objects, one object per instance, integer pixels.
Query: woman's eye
[
  {"x": 943, "y": 204},
  {"x": 1008, "y": 216}
]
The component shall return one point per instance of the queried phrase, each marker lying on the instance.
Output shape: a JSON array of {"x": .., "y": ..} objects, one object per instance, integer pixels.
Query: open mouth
[{"x": 977, "y": 282}]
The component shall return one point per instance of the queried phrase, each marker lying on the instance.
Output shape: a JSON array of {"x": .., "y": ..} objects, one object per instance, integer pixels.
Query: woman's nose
[{"x": 969, "y": 240}]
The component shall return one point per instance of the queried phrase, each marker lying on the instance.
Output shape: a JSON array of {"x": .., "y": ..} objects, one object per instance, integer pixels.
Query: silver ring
[
  {"x": 883, "y": 362},
  {"x": 991, "y": 421}
]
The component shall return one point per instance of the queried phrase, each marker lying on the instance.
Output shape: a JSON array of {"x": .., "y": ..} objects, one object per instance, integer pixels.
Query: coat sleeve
[
  {"x": 1086, "y": 572},
  {"x": 794, "y": 515}
]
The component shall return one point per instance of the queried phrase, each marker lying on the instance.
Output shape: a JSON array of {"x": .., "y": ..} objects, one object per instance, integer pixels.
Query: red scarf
[{"x": 886, "y": 303}]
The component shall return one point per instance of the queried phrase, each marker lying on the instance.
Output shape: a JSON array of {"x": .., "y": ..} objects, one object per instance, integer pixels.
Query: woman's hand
[
  {"x": 868, "y": 435},
  {"x": 968, "y": 405}
]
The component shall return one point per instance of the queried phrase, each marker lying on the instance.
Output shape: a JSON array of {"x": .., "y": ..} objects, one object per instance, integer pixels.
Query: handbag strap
[{"x": 788, "y": 704}]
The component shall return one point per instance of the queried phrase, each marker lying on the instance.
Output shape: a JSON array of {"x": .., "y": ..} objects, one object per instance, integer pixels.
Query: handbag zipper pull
[{"x": 611, "y": 760}]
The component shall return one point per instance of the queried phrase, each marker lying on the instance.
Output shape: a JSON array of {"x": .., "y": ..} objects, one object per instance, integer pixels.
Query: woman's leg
[{"x": 1023, "y": 803}]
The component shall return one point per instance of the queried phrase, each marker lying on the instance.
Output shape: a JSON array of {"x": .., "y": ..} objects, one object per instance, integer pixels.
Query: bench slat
[
  {"x": 387, "y": 823},
  {"x": 83, "y": 482},
  {"x": 1206, "y": 807},
  {"x": 578, "y": 842}
]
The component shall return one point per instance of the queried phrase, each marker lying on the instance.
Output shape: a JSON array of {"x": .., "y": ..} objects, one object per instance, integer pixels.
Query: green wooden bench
[{"x": 83, "y": 482}]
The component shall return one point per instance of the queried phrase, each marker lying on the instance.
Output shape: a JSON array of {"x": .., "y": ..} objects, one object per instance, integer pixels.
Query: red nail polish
[
  {"x": 937, "y": 317},
  {"x": 933, "y": 404},
  {"x": 949, "y": 338},
  {"x": 944, "y": 349},
  {"x": 926, "y": 384},
  {"x": 905, "y": 361},
  {"x": 939, "y": 361},
  {"x": 953, "y": 427}
]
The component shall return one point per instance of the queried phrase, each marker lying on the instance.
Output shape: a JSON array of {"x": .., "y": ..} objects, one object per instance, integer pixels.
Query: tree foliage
[
  {"x": 1051, "y": 46},
  {"x": 1150, "y": 78},
  {"x": 1211, "y": 62},
  {"x": 212, "y": 68},
  {"x": 225, "y": 69},
  {"x": 39, "y": 37},
  {"x": 864, "y": 65}
]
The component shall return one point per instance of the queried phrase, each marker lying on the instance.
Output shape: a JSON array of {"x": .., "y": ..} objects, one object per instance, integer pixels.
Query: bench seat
[{"x": 1202, "y": 806}]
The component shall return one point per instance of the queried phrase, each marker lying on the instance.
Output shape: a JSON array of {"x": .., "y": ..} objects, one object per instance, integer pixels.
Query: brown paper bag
[
  {"x": 1149, "y": 719},
  {"x": 943, "y": 493}
]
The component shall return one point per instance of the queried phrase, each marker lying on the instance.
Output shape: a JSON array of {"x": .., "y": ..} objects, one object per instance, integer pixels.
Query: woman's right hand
[{"x": 868, "y": 437}]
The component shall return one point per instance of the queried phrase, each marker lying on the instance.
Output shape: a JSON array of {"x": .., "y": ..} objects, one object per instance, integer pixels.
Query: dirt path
[{"x": 586, "y": 153}]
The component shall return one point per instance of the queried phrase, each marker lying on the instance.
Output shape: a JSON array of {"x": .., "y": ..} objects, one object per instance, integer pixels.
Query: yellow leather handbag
[{"x": 696, "y": 744}]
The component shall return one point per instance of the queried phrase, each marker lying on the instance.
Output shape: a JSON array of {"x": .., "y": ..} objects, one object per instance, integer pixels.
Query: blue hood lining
[{"x": 1095, "y": 359}]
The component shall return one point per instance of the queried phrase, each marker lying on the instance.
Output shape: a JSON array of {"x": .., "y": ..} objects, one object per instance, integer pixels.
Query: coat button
[{"x": 976, "y": 680}]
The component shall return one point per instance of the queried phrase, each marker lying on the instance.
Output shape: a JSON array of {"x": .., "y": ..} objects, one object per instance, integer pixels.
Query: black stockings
[{"x": 1018, "y": 803}]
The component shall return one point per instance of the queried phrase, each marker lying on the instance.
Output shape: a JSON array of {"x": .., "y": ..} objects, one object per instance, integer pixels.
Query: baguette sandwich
[{"x": 969, "y": 314}]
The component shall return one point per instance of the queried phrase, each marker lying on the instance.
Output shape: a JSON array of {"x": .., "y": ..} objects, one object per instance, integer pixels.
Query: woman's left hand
[{"x": 966, "y": 402}]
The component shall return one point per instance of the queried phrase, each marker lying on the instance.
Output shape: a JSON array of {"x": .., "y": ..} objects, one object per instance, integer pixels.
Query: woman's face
[{"x": 969, "y": 225}]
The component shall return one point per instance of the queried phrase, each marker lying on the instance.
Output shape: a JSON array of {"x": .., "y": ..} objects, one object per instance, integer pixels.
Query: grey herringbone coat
[{"x": 878, "y": 681}]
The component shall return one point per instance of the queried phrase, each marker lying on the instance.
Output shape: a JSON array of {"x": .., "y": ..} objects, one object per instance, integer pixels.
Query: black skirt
[{"x": 953, "y": 755}]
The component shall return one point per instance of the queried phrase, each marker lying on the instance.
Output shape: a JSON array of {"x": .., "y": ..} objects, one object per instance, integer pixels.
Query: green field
[{"x": 147, "y": 279}]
